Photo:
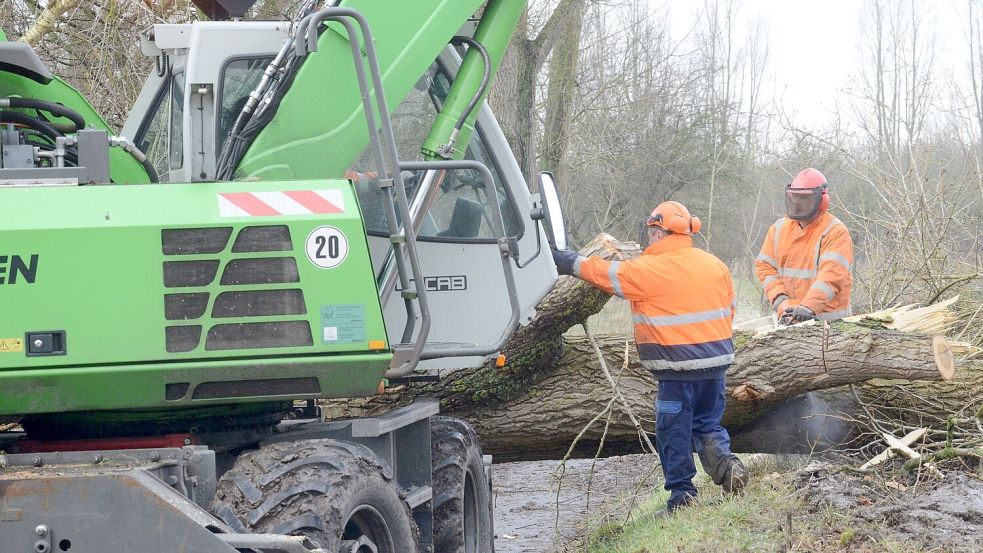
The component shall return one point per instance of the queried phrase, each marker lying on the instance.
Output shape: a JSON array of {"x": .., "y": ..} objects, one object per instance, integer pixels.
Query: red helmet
[
  {"x": 807, "y": 196},
  {"x": 673, "y": 217}
]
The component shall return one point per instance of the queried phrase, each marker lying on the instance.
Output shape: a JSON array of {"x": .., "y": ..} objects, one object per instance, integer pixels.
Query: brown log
[
  {"x": 550, "y": 415},
  {"x": 551, "y": 387},
  {"x": 835, "y": 418}
]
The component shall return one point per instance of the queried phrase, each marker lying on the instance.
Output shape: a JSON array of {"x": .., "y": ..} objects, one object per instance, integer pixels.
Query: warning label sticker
[
  {"x": 343, "y": 323},
  {"x": 11, "y": 345}
]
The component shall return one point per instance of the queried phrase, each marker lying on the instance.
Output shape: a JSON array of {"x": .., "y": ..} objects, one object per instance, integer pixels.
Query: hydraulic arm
[
  {"x": 319, "y": 126},
  {"x": 455, "y": 122}
]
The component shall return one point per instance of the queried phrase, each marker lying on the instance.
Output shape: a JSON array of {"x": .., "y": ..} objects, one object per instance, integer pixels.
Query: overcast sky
[{"x": 814, "y": 46}]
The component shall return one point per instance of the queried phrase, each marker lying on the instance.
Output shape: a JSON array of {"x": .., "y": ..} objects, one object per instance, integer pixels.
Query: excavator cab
[{"x": 203, "y": 77}]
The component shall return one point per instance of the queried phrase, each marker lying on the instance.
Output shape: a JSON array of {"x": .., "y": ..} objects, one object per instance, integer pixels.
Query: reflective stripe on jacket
[
  {"x": 812, "y": 265},
  {"x": 682, "y": 306}
]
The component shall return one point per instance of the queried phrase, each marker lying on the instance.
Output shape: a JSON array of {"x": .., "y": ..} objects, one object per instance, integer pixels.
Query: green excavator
[{"x": 294, "y": 211}]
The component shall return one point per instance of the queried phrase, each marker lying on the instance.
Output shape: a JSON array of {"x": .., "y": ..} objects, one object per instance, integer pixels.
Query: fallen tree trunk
[
  {"x": 550, "y": 388},
  {"x": 551, "y": 414},
  {"x": 839, "y": 417}
]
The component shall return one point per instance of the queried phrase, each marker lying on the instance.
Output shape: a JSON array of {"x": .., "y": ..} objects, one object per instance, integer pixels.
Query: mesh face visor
[
  {"x": 802, "y": 204},
  {"x": 643, "y": 233},
  {"x": 643, "y": 229}
]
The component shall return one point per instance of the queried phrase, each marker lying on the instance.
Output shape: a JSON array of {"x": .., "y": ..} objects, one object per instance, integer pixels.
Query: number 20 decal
[{"x": 327, "y": 247}]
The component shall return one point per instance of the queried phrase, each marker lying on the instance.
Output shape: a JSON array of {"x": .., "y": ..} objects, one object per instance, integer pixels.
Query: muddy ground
[
  {"x": 922, "y": 511},
  {"x": 526, "y": 515},
  {"x": 914, "y": 512}
]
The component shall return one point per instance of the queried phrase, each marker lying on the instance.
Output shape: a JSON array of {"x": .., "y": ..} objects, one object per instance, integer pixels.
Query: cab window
[
  {"x": 460, "y": 210},
  {"x": 240, "y": 76},
  {"x": 161, "y": 135}
]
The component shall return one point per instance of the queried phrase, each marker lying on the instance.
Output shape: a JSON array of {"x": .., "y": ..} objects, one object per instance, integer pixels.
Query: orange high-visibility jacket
[
  {"x": 682, "y": 306},
  {"x": 812, "y": 265}
]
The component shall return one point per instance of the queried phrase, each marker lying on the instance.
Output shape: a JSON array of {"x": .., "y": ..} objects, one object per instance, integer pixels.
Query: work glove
[
  {"x": 797, "y": 314},
  {"x": 564, "y": 260},
  {"x": 781, "y": 303}
]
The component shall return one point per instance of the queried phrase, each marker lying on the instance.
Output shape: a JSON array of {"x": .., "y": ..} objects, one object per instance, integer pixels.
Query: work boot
[
  {"x": 724, "y": 468},
  {"x": 736, "y": 476}
]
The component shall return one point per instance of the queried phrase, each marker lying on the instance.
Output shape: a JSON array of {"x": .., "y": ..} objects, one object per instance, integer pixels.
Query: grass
[
  {"x": 756, "y": 520},
  {"x": 750, "y": 522}
]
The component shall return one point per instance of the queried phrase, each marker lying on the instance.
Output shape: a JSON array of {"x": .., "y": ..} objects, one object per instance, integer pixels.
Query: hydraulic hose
[
  {"x": 151, "y": 170},
  {"x": 266, "y": 96},
  {"x": 484, "y": 78},
  {"x": 50, "y": 107},
  {"x": 129, "y": 147},
  {"x": 32, "y": 122},
  {"x": 446, "y": 150}
]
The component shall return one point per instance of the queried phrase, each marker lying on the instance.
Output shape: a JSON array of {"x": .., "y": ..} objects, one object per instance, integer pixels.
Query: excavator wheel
[
  {"x": 338, "y": 494},
  {"x": 462, "y": 507}
]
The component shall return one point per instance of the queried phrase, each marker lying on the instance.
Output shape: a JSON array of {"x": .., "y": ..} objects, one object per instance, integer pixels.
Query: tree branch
[{"x": 47, "y": 21}]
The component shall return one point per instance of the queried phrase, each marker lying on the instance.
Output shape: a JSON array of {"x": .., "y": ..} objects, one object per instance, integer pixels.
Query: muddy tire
[
  {"x": 462, "y": 506},
  {"x": 327, "y": 490}
]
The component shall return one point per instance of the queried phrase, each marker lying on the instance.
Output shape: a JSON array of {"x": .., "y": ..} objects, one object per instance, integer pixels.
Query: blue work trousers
[{"x": 687, "y": 419}]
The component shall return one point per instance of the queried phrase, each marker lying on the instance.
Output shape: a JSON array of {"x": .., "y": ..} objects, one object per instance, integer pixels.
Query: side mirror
[{"x": 556, "y": 229}]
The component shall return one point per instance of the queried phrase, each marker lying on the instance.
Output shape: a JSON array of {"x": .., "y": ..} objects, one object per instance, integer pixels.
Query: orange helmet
[
  {"x": 807, "y": 195},
  {"x": 673, "y": 217}
]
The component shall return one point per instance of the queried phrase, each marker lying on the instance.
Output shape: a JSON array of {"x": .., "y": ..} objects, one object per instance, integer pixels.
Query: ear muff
[
  {"x": 695, "y": 225},
  {"x": 678, "y": 224}
]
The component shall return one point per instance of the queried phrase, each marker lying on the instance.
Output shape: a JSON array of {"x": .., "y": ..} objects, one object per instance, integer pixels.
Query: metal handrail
[{"x": 405, "y": 238}]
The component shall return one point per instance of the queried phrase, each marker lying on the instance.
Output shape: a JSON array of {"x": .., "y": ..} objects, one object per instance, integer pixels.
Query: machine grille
[
  {"x": 259, "y": 335},
  {"x": 180, "y": 241},
  {"x": 259, "y": 303},
  {"x": 264, "y": 387},
  {"x": 213, "y": 288},
  {"x": 273, "y": 238},
  {"x": 262, "y": 270},
  {"x": 189, "y": 274},
  {"x": 182, "y": 338},
  {"x": 182, "y": 307}
]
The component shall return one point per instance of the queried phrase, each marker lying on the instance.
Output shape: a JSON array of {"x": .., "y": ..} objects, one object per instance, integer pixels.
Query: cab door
[{"x": 459, "y": 256}]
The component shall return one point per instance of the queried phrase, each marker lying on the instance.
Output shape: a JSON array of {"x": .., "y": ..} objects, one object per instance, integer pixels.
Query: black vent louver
[
  {"x": 219, "y": 288},
  {"x": 183, "y": 307},
  {"x": 273, "y": 238},
  {"x": 261, "y": 270},
  {"x": 259, "y": 303},
  {"x": 191, "y": 241}
]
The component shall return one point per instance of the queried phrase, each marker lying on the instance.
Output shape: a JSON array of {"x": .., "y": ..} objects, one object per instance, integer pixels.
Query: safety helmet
[
  {"x": 673, "y": 217},
  {"x": 807, "y": 195}
]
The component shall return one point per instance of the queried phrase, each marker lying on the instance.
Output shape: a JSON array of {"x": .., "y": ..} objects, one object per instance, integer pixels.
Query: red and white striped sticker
[{"x": 291, "y": 202}]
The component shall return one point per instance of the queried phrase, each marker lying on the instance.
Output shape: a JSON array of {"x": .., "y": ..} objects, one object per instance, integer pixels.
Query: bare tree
[
  {"x": 560, "y": 96},
  {"x": 513, "y": 95}
]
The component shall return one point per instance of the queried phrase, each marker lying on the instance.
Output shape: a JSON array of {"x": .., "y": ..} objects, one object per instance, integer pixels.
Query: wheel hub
[{"x": 361, "y": 545}]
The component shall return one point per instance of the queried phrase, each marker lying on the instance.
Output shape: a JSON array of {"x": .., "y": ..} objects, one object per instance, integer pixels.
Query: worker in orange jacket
[
  {"x": 806, "y": 260},
  {"x": 682, "y": 305}
]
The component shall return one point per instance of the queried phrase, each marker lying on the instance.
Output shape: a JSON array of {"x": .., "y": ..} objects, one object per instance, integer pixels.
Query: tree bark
[
  {"x": 537, "y": 413},
  {"x": 560, "y": 95},
  {"x": 513, "y": 95},
  {"x": 551, "y": 386}
]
